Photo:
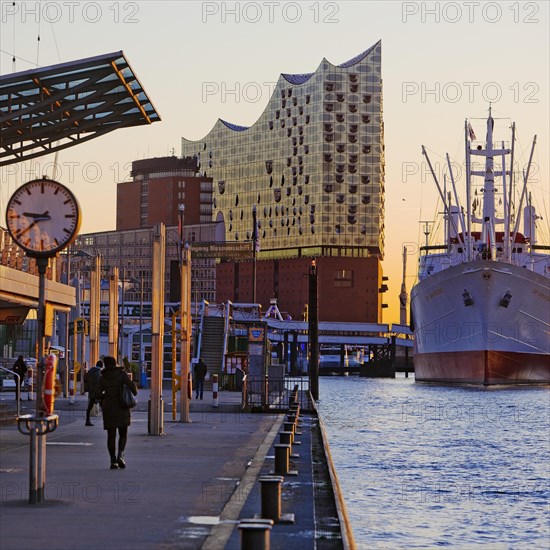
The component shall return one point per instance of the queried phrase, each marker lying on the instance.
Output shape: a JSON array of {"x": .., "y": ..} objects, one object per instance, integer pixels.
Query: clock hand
[
  {"x": 23, "y": 231},
  {"x": 44, "y": 216}
]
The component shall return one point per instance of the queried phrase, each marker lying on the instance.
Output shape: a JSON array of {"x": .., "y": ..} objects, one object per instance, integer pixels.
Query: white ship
[{"x": 481, "y": 308}]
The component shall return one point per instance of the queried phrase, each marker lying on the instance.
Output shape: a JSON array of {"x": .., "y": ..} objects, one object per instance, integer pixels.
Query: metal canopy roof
[{"x": 51, "y": 108}]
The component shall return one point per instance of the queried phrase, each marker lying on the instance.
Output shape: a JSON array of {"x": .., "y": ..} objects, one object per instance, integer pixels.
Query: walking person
[
  {"x": 200, "y": 374},
  {"x": 91, "y": 380},
  {"x": 115, "y": 416},
  {"x": 20, "y": 368}
]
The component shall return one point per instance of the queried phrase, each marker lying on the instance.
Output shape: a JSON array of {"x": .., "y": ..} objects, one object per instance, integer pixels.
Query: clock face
[{"x": 43, "y": 217}]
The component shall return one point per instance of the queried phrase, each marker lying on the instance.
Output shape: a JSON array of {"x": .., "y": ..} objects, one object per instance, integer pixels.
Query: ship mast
[
  {"x": 489, "y": 183},
  {"x": 403, "y": 296},
  {"x": 489, "y": 219}
]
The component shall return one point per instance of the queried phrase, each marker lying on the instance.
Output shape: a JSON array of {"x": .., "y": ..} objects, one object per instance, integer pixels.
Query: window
[{"x": 343, "y": 278}]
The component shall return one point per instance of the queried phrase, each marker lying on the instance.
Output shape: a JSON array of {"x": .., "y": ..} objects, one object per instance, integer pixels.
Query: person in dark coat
[
  {"x": 93, "y": 380},
  {"x": 200, "y": 374},
  {"x": 115, "y": 416},
  {"x": 20, "y": 368}
]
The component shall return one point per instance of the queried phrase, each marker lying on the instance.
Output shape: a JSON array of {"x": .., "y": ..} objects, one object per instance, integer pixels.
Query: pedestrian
[
  {"x": 91, "y": 380},
  {"x": 200, "y": 374},
  {"x": 115, "y": 416},
  {"x": 20, "y": 368}
]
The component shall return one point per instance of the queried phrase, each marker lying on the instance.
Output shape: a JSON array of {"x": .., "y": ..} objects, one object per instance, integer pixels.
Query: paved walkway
[{"x": 171, "y": 494}]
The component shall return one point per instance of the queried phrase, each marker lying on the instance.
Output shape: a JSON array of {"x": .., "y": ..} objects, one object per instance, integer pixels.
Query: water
[{"x": 426, "y": 466}]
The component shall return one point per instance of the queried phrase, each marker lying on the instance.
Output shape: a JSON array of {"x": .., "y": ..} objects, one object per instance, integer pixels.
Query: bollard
[
  {"x": 271, "y": 497},
  {"x": 290, "y": 427},
  {"x": 255, "y": 534},
  {"x": 286, "y": 439},
  {"x": 71, "y": 388},
  {"x": 30, "y": 388},
  {"x": 296, "y": 422},
  {"x": 282, "y": 455},
  {"x": 271, "y": 500},
  {"x": 215, "y": 390}
]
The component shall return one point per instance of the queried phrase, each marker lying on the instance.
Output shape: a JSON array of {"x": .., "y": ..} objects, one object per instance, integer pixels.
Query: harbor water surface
[{"x": 427, "y": 466}]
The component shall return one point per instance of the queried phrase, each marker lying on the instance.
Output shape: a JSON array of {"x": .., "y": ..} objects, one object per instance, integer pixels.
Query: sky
[{"x": 442, "y": 62}]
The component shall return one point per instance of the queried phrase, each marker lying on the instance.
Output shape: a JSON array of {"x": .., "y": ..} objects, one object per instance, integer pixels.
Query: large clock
[{"x": 43, "y": 217}]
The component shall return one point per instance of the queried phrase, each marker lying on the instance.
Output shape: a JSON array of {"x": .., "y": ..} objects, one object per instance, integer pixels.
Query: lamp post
[
  {"x": 66, "y": 366},
  {"x": 313, "y": 332},
  {"x": 139, "y": 281},
  {"x": 140, "y": 320},
  {"x": 80, "y": 256},
  {"x": 121, "y": 324}
]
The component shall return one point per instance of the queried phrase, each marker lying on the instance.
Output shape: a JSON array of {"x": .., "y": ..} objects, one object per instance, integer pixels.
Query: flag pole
[{"x": 255, "y": 246}]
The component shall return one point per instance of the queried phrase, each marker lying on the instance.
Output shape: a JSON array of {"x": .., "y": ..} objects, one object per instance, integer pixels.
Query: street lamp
[
  {"x": 75, "y": 313},
  {"x": 139, "y": 281},
  {"x": 121, "y": 322}
]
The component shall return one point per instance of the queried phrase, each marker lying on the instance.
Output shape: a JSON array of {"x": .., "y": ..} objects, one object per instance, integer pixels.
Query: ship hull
[{"x": 468, "y": 331}]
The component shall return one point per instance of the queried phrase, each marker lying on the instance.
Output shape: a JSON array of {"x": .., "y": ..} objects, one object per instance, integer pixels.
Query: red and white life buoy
[{"x": 48, "y": 394}]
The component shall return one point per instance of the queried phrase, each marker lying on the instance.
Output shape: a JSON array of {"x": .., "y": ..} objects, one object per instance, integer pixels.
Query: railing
[
  {"x": 18, "y": 381},
  {"x": 204, "y": 313},
  {"x": 263, "y": 394},
  {"x": 226, "y": 325}
]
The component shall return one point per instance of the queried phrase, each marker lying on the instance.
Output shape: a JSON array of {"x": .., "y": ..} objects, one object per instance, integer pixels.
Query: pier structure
[
  {"x": 379, "y": 348},
  {"x": 198, "y": 486}
]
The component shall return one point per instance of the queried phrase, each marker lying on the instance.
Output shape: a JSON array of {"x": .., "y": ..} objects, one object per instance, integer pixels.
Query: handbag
[{"x": 127, "y": 398}]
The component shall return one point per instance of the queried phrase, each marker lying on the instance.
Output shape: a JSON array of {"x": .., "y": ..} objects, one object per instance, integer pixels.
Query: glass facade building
[{"x": 312, "y": 165}]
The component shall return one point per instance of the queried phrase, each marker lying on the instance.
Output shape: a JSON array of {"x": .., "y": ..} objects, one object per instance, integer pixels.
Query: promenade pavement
[{"x": 171, "y": 495}]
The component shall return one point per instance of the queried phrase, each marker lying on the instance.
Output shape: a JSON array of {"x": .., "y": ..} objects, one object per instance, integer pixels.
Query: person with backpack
[
  {"x": 91, "y": 380},
  {"x": 116, "y": 416}
]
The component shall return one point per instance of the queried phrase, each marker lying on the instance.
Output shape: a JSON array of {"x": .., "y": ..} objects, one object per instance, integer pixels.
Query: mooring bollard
[
  {"x": 282, "y": 457},
  {"x": 255, "y": 534},
  {"x": 271, "y": 500},
  {"x": 271, "y": 497},
  {"x": 290, "y": 427},
  {"x": 293, "y": 417},
  {"x": 296, "y": 422},
  {"x": 286, "y": 439}
]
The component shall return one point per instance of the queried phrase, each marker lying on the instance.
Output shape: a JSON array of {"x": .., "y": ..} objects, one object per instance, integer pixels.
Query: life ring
[{"x": 48, "y": 394}]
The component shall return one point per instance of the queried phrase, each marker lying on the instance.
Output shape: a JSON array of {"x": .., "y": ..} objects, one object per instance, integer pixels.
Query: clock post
[
  {"x": 43, "y": 218},
  {"x": 39, "y": 429}
]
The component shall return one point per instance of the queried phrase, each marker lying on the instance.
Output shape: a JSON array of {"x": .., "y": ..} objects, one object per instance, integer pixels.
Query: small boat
[{"x": 480, "y": 310}]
